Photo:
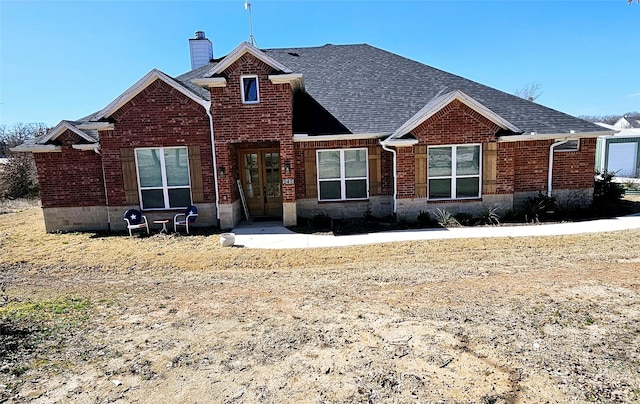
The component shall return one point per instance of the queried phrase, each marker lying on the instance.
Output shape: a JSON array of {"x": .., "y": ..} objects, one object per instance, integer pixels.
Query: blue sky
[{"x": 66, "y": 59}]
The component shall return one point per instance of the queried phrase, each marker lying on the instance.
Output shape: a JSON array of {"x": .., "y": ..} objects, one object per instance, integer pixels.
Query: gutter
[
  {"x": 547, "y": 136},
  {"x": 550, "y": 174},
  {"x": 395, "y": 176},
  {"x": 215, "y": 164}
]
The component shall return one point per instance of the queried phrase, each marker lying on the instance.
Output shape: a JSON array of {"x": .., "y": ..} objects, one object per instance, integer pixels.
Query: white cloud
[{"x": 634, "y": 95}]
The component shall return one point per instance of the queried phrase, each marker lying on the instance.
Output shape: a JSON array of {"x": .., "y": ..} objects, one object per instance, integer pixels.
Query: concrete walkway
[{"x": 272, "y": 235}]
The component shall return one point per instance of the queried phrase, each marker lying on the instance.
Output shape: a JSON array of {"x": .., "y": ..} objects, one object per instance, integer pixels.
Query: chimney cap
[{"x": 200, "y": 35}]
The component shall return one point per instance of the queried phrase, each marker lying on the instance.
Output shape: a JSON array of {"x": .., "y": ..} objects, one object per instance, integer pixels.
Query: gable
[
  {"x": 140, "y": 86},
  {"x": 157, "y": 101},
  {"x": 242, "y": 50},
  {"x": 443, "y": 104},
  {"x": 456, "y": 123}
]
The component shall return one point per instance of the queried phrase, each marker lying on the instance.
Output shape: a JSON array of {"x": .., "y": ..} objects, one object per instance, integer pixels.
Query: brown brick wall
[
  {"x": 571, "y": 170},
  {"x": 160, "y": 116},
  {"x": 70, "y": 178},
  {"x": 258, "y": 125}
]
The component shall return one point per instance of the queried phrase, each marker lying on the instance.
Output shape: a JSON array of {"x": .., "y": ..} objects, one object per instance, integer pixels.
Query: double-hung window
[
  {"x": 454, "y": 172},
  {"x": 249, "y": 87},
  {"x": 163, "y": 177},
  {"x": 342, "y": 174}
]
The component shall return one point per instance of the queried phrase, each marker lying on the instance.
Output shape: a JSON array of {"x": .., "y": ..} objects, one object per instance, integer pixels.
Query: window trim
[
  {"x": 453, "y": 177},
  {"x": 565, "y": 150},
  {"x": 163, "y": 172},
  {"x": 244, "y": 98},
  {"x": 343, "y": 179}
]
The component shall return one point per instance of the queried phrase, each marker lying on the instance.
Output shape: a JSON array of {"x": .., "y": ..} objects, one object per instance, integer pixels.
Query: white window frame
[
  {"x": 244, "y": 98},
  {"x": 163, "y": 170},
  {"x": 566, "y": 147},
  {"x": 343, "y": 178},
  {"x": 453, "y": 175}
]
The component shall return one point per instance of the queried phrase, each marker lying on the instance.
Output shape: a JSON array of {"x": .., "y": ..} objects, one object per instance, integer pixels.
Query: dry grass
[{"x": 481, "y": 320}]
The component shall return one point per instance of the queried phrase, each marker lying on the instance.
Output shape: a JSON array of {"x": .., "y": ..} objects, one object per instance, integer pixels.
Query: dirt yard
[{"x": 180, "y": 319}]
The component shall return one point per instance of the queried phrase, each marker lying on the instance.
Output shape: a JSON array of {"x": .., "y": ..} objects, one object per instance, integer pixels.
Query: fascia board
[
  {"x": 210, "y": 82},
  {"x": 303, "y": 137},
  {"x": 295, "y": 79},
  {"x": 37, "y": 148},
  {"x": 96, "y": 126},
  {"x": 438, "y": 103},
  {"x": 60, "y": 129},
  {"x": 143, "y": 83},
  {"x": 400, "y": 142},
  {"x": 554, "y": 136},
  {"x": 90, "y": 146},
  {"x": 237, "y": 53}
]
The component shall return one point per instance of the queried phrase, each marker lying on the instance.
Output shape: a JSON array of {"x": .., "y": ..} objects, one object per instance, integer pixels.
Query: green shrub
[{"x": 606, "y": 191}]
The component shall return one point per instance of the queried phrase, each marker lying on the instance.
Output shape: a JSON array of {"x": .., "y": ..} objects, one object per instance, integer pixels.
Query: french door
[{"x": 261, "y": 182}]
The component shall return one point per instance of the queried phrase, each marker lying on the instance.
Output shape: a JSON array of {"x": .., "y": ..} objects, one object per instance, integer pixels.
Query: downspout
[
  {"x": 215, "y": 164},
  {"x": 106, "y": 195},
  {"x": 550, "y": 174},
  {"x": 395, "y": 176}
]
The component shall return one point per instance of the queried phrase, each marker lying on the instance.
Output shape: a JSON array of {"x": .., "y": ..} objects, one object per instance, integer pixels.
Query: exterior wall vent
[{"x": 200, "y": 50}]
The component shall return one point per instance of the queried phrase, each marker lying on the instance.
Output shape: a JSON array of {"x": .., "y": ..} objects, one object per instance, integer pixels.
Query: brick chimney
[{"x": 200, "y": 49}]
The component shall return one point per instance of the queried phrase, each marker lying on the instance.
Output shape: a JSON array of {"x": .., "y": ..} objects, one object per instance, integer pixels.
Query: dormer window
[{"x": 250, "y": 93}]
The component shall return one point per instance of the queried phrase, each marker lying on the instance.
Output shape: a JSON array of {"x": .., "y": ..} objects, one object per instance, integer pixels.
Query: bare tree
[
  {"x": 18, "y": 178},
  {"x": 530, "y": 92}
]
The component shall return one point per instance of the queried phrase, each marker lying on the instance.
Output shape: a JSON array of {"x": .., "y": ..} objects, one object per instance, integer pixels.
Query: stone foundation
[
  {"x": 380, "y": 206},
  {"x": 230, "y": 215},
  {"x": 82, "y": 218},
  {"x": 409, "y": 209}
]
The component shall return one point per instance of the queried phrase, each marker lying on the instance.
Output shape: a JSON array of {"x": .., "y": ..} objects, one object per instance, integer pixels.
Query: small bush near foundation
[
  {"x": 424, "y": 219},
  {"x": 464, "y": 219},
  {"x": 539, "y": 208},
  {"x": 490, "y": 215},
  {"x": 368, "y": 215},
  {"x": 606, "y": 193},
  {"x": 320, "y": 221},
  {"x": 445, "y": 218}
]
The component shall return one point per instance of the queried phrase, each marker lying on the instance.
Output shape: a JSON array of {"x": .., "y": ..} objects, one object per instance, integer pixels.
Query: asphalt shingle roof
[
  {"x": 371, "y": 90},
  {"x": 364, "y": 89}
]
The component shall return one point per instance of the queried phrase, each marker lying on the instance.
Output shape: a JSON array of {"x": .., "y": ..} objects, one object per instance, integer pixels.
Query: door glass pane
[
  {"x": 467, "y": 160},
  {"x": 149, "y": 168},
  {"x": 440, "y": 188},
  {"x": 272, "y": 162},
  {"x": 468, "y": 187},
  {"x": 440, "y": 162},
  {"x": 177, "y": 165},
  {"x": 252, "y": 175},
  {"x": 356, "y": 188},
  {"x": 355, "y": 163},
  {"x": 179, "y": 198},
  {"x": 330, "y": 190},
  {"x": 329, "y": 164},
  {"x": 152, "y": 198}
]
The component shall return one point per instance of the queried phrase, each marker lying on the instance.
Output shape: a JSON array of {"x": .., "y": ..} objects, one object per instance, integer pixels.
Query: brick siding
[
  {"x": 160, "y": 116},
  {"x": 267, "y": 123},
  {"x": 71, "y": 178},
  {"x": 571, "y": 170}
]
